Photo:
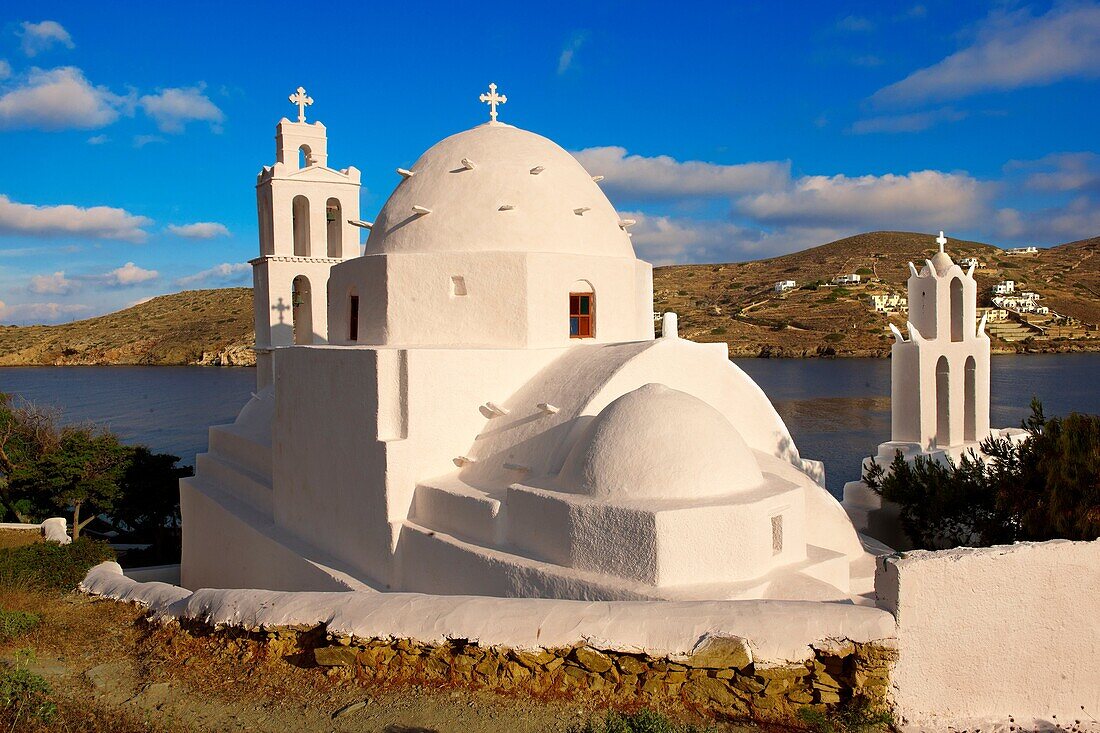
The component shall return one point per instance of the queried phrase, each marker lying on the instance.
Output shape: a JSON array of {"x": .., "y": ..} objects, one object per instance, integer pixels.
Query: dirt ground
[{"x": 111, "y": 670}]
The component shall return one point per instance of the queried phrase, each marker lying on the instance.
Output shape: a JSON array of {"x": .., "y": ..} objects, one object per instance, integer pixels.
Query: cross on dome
[
  {"x": 493, "y": 99},
  {"x": 303, "y": 100},
  {"x": 941, "y": 240}
]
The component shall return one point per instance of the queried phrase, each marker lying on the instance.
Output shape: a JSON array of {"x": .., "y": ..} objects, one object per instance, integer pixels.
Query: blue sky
[{"x": 132, "y": 133}]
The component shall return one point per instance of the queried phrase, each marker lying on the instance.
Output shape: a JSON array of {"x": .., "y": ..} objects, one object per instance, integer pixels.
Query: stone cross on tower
[
  {"x": 493, "y": 99},
  {"x": 941, "y": 240},
  {"x": 303, "y": 100}
]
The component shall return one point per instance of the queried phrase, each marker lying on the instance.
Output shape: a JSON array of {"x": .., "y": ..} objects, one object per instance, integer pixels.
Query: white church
[{"x": 477, "y": 404}]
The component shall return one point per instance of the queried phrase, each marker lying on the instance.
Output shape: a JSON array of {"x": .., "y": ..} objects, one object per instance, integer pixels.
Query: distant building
[
  {"x": 1026, "y": 302},
  {"x": 846, "y": 280},
  {"x": 889, "y": 302},
  {"x": 993, "y": 315},
  {"x": 1004, "y": 287},
  {"x": 972, "y": 262},
  {"x": 1024, "y": 251},
  {"x": 784, "y": 285}
]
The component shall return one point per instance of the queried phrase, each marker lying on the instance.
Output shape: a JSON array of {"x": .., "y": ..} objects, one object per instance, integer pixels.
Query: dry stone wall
[{"x": 720, "y": 678}]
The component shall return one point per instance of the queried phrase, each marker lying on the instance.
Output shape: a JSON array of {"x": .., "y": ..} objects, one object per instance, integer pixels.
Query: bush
[
  {"x": 841, "y": 292},
  {"x": 643, "y": 721},
  {"x": 15, "y": 623},
  {"x": 1047, "y": 487},
  {"x": 50, "y": 566},
  {"x": 720, "y": 331},
  {"x": 24, "y": 691},
  {"x": 855, "y": 716},
  {"x": 865, "y": 272},
  {"x": 834, "y": 337}
]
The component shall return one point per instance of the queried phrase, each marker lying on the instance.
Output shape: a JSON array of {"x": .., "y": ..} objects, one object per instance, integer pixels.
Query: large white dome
[
  {"x": 523, "y": 193},
  {"x": 660, "y": 443}
]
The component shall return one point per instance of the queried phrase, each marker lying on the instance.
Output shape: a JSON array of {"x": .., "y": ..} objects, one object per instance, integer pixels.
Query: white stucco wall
[{"x": 992, "y": 633}]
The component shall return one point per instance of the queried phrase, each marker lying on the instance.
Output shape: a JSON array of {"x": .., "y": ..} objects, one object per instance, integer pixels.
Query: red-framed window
[{"x": 582, "y": 315}]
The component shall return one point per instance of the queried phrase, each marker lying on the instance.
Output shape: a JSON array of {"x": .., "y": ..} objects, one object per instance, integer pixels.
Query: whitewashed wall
[{"x": 992, "y": 633}]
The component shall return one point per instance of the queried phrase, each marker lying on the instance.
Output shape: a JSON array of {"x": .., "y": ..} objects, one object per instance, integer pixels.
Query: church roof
[
  {"x": 660, "y": 443},
  {"x": 497, "y": 188}
]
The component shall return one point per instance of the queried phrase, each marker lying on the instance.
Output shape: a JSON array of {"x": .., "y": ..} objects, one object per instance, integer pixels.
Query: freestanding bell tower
[
  {"x": 940, "y": 375},
  {"x": 305, "y": 212}
]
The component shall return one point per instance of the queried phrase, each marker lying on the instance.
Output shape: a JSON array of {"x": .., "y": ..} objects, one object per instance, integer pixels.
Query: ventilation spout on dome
[
  {"x": 669, "y": 326},
  {"x": 581, "y": 210},
  {"x": 548, "y": 408},
  {"x": 405, "y": 173},
  {"x": 537, "y": 169},
  {"x": 494, "y": 410},
  {"x": 421, "y": 210},
  {"x": 468, "y": 164},
  {"x": 627, "y": 223},
  {"x": 461, "y": 461},
  {"x": 597, "y": 179},
  {"x": 361, "y": 224},
  {"x": 506, "y": 207}
]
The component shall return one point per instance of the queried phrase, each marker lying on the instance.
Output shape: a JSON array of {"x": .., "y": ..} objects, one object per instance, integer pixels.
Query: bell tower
[
  {"x": 940, "y": 375},
  {"x": 305, "y": 212}
]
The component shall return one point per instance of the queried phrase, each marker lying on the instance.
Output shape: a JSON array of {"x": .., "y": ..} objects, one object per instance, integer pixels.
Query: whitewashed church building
[{"x": 477, "y": 404}]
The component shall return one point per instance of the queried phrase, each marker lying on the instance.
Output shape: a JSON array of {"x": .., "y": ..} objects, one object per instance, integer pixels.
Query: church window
[
  {"x": 334, "y": 228},
  {"x": 458, "y": 285},
  {"x": 353, "y": 318},
  {"x": 777, "y": 534},
  {"x": 300, "y": 225},
  {"x": 581, "y": 315}
]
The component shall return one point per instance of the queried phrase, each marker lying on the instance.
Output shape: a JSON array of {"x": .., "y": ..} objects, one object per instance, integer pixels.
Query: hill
[
  {"x": 737, "y": 304},
  {"x": 192, "y": 327}
]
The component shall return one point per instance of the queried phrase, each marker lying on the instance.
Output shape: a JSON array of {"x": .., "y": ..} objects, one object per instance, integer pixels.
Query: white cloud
[
  {"x": 129, "y": 274},
  {"x": 140, "y": 141},
  {"x": 565, "y": 60},
  {"x": 227, "y": 273},
  {"x": 921, "y": 200},
  {"x": 1010, "y": 50},
  {"x": 1079, "y": 219},
  {"x": 40, "y": 312},
  {"x": 173, "y": 108},
  {"x": 39, "y": 37},
  {"x": 914, "y": 122},
  {"x": 855, "y": 24},
  {"x": 5, "y": 69},
  {"x": 97, "y": 139},
  {"x": 663, "y": 177},
  {"x": 1060, "y": 172},
  {"x": 101, "y": 222},
  {"x": 199, "y": 230},
  {"x": 56, "y": 284},
  {"x": 59, "y": 99}
]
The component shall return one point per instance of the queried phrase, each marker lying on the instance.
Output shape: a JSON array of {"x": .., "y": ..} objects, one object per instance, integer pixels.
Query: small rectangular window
[
  {"x": 777, "y": 534},
  {"x": 458, "y": 285},
  {"x": 581, "y": 315},
  {"x": 353, "y": 319}
]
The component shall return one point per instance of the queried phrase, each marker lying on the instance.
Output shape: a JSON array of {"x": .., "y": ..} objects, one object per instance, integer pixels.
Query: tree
[
  {"x": 148, "y": 507},
  {"x": 26, "y": 433},
  {"x": 1046, "y": 487},
  {"x": 81, "y": 474}
]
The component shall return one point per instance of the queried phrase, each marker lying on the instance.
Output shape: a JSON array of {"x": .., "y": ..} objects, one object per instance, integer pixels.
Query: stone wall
[{"x": 720, "y": 679}]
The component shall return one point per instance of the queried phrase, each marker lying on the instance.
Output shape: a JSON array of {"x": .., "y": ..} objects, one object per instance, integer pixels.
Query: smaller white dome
[
  {"x": 660, "y": 443},
  {"x": 942, "y": 262}
]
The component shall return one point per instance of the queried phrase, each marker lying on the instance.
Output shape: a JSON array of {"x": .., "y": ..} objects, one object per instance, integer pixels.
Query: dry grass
[{"x": 18, "y": 537}]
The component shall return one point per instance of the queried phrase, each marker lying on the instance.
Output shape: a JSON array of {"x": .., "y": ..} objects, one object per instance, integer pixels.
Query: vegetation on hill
[
  {"x": 735, "y": 303},
  {"x": 1047, "y": 487},
  {"x": 195, "y": 326}
]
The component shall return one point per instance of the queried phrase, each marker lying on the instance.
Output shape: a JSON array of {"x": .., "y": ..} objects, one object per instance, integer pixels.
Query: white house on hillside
[{"x": 784, "y": 285}]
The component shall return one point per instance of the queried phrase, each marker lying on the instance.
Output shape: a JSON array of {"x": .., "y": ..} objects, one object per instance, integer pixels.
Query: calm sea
[{"x": 837, "y": 410}]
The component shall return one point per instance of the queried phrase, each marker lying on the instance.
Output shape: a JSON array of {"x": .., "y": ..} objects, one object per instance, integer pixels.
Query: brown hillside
[
  {"x": 736, "y": 303},
  {"x": 195, "y": 326}
]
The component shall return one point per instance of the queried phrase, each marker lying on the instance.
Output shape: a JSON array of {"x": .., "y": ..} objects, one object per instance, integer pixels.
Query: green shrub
[
  {"x": 834, "y": 337},
  {"x": 14, "y": 623},
  {"x": 50, "y": 566},
  {"x": 25, "y": 691},
  {"x": 865, "y": 272},
  {"x": 643, "y": 721},
  {"x": 841, "y": 292},
  {"x": 720, "y": 331},
  {"x": 855, "y": 716}
]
